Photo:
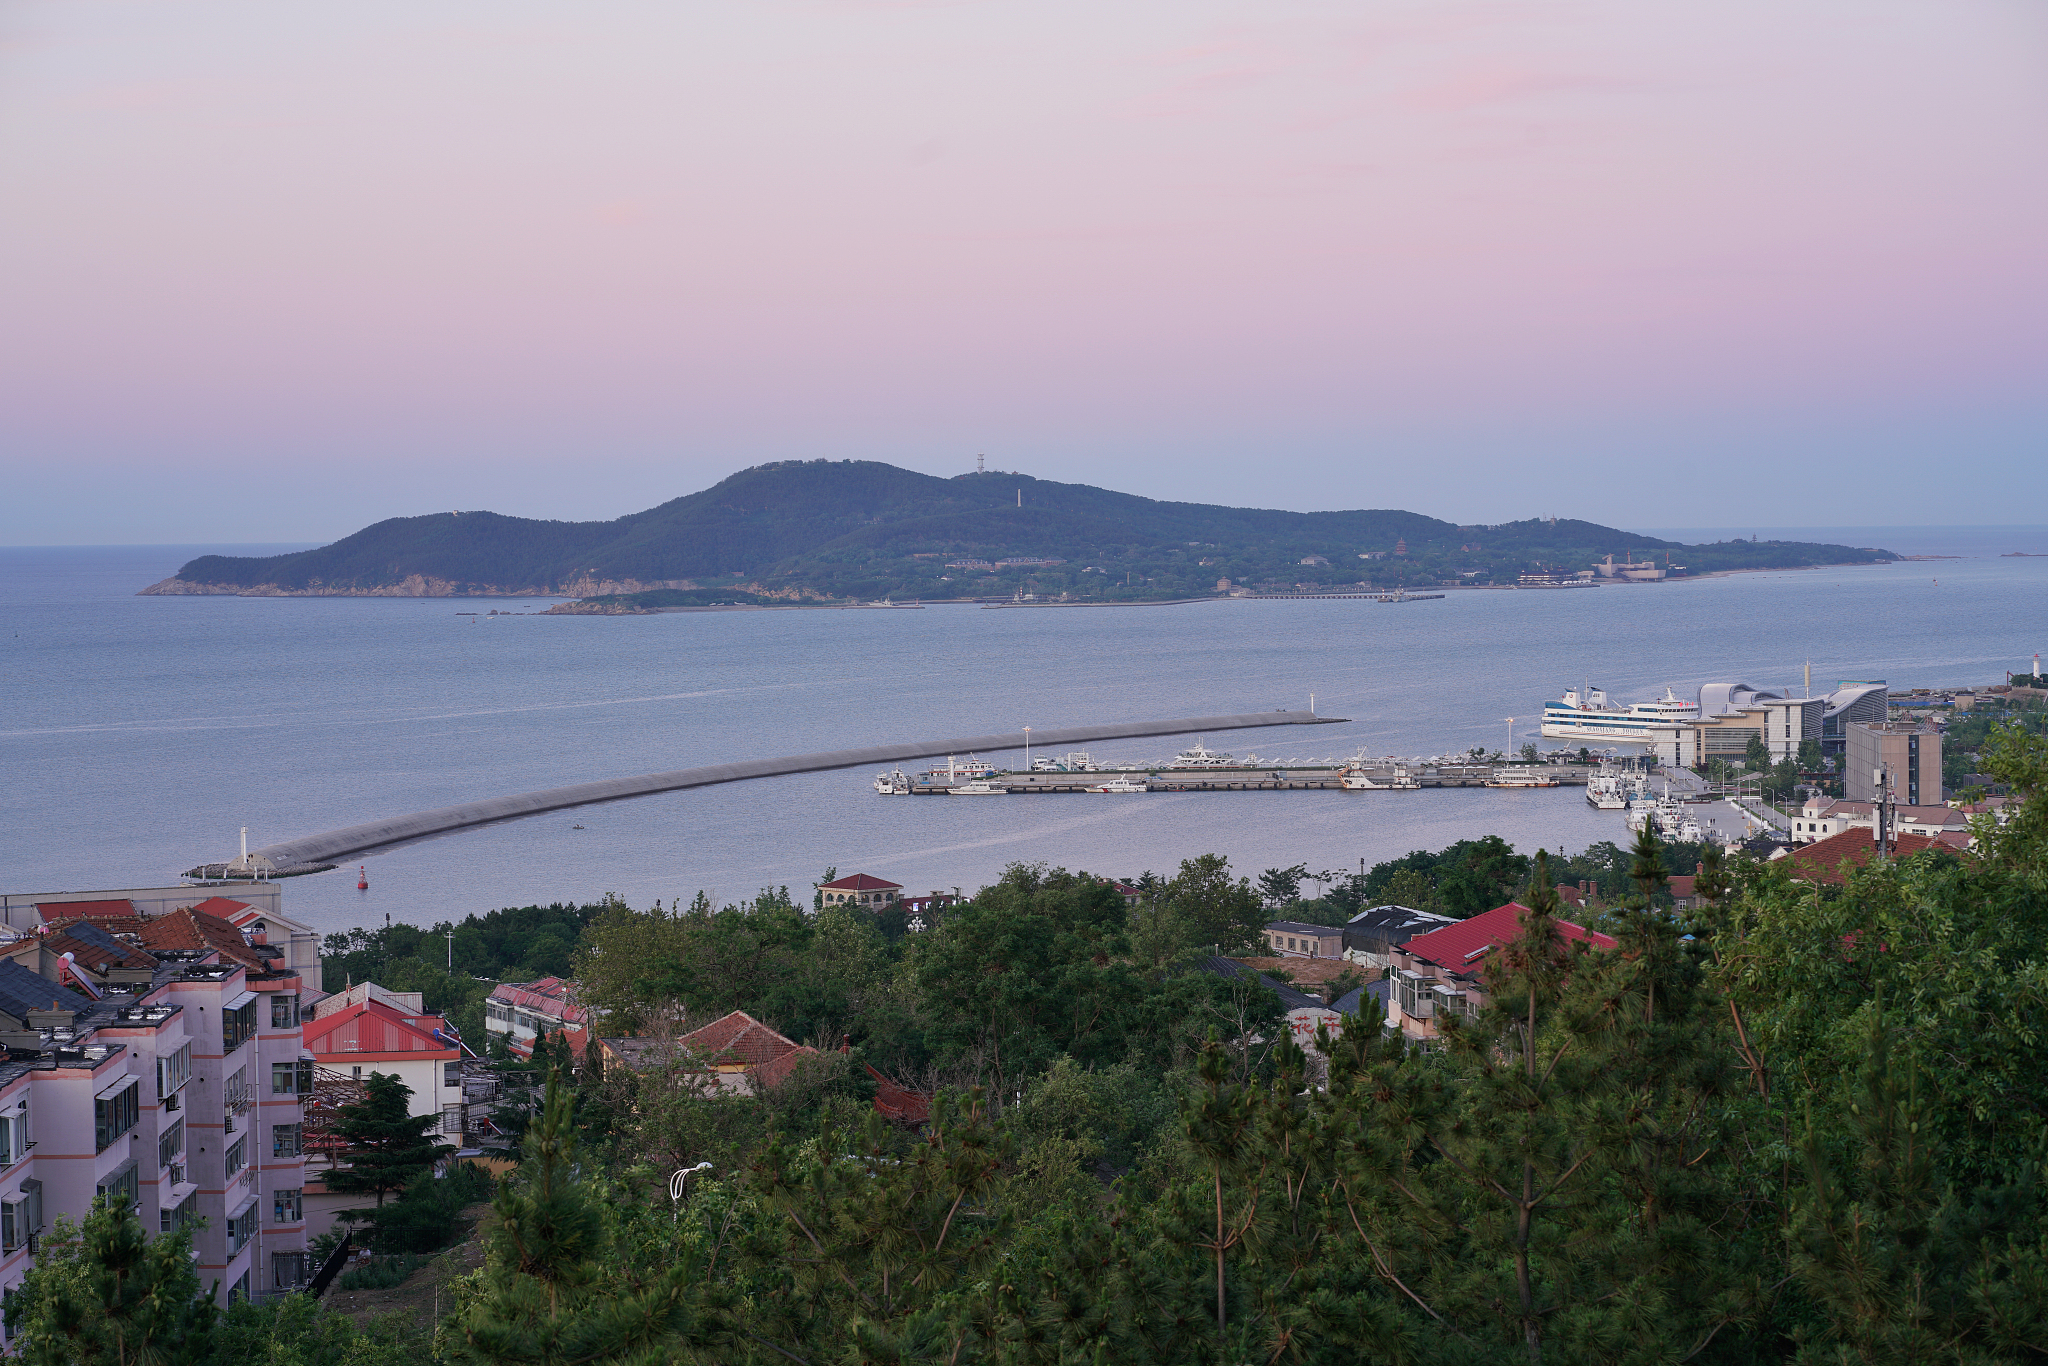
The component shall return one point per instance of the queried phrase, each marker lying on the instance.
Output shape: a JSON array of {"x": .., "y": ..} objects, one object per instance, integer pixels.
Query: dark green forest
[{"x": 836, "y": 530}]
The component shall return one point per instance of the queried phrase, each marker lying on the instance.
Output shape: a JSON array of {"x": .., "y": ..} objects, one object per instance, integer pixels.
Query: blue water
[{"x": 138, "y": 734}]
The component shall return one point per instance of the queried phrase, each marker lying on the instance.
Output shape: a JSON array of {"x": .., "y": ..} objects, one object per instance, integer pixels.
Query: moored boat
[
  {"x": 978, "y": 789},
  {"x": 894, "y": 783},
  {"x": 1120, "y": 785}
]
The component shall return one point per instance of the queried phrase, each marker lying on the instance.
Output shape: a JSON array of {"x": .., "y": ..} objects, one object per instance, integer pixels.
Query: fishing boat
[
  {"x": 1611, "y": 791},
  {"x": 978, "y": 789},
  {"x": 893, "y": 783},
  {"x": 1120, "y": 785}
]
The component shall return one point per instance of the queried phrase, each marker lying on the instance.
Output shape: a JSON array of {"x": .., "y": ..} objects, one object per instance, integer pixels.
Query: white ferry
[
  {"x": 1588, "y": 716},
  {"x": 978, "y": 789},
  {"x": 969, "y": 769},
  {"x": 893, "y": 783},
  {"x": 1120, "y": 785},
  {"x": 1521, "y": 776},
  {"x": 1195, "y": 756}
]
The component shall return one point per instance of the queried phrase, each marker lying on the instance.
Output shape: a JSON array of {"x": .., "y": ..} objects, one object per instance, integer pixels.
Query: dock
[{"x": 1320, "y": 778}]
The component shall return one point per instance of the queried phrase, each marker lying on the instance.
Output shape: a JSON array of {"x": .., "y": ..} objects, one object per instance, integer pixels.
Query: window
[
  {"x": 13, "y": 1137},
  {"x": 241, "y": 1290},
  {"x": 241, "y": 1229},
  {"x": 451, "y": 1074},
  {"x": 286, "y": 1140},
  {"x": 116, "y": 1114},
  {"x": 289, "y": 1270},
  {"x": 284, "y": 1012},
  {"x": 237, "y": 1027},
  {"x": 180, "y": 1217},
  {"x": 285, "y": 1204},
  {"x": 14, "y": 1229},
  {"x": 170, "y": 1144},
  {"x": 173, "y": 1071},
  {"x": 292, "y": 1078},
  {"x": 125, "y": 1181},
  {"x": 238, "y": 1155},
  {"x": 235, "y": 1095}
]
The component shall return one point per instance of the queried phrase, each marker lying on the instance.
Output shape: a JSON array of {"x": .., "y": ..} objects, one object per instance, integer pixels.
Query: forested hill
[{"x": 825, "y": 529}]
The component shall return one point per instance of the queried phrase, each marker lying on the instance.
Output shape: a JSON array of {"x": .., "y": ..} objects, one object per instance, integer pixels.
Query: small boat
[
  {"x": 1080, "y": 761},
  {"x": 1198, "y": 756},
  {"x": 577, "y": 827},
  {"x": 978, "y": 789},
  {"x": 1120, "y": 785},
  {"x": 1507, "y": 776},
  {"x": 893, "y": 783}
]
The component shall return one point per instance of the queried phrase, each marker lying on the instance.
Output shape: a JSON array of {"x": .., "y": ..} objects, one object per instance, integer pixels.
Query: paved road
[{"x": 359, "y": 839}]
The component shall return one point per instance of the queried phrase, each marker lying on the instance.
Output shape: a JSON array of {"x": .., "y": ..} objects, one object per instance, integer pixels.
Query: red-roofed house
[
  {"x": 1821, "y": 861},
  {"x": 861, "y": 889},
  {"x": 259, "y": 939},
  {"x": 1443, "y": 972},
  {"x": 522, "y": 1011},
  {"x": 737, "y": 1048},
  {"x": 371, "y": 1036}
]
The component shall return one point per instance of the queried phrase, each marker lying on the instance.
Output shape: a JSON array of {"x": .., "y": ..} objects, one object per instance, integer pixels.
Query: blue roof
[{"x": 22, "y": 990}]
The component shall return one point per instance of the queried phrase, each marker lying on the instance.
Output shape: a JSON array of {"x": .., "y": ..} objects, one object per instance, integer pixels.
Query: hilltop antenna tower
[{"x": 981, "y": 464}]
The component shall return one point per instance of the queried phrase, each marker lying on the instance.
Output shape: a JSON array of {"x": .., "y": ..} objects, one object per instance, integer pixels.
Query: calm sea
[{"x": 138, "y": 734}]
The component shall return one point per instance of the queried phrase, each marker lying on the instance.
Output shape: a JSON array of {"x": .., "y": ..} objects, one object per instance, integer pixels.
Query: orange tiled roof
[
  {"x": 90, "y": 953},
  {"x": 860, "y": 882},
  {"x": 185, "y": 928},
  {"x": 1821, "y": 861}
]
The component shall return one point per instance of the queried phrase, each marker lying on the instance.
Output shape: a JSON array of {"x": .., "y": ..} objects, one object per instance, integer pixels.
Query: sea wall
[{"x": 358, "y": 839}]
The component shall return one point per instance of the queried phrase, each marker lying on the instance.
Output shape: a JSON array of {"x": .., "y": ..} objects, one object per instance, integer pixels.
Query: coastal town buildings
[
  {"x": 1906, "y": 755},
  {"x": 520, "y": 1012},
  {"x": 1444, "y": 972},
  {"x": 156, "y": 1053},
  {"x": 1294, "y": 939},
  {"x": 861, "y": 889}
]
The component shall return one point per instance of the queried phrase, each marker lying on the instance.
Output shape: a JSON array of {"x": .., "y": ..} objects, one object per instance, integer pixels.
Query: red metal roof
[
  {"x": 861, "y": 882},
  {"x": 373, "y": 1027},
  {"x": 91, "y": 910},
  {"x": 551, "y": 995},
  {"x": 1459, "y": 947}
]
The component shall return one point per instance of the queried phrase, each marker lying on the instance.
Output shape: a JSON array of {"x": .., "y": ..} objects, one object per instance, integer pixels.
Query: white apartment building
[{"x": 175, "y": 1079}]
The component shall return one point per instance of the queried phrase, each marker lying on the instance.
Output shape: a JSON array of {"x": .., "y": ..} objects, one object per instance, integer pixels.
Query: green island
[{"x": 824, "y": 531}]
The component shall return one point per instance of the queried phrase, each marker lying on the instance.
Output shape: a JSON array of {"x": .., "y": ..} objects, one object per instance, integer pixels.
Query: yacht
[
  {"x": 1196, "y": 756},
  {"x": 1120, "y": 785},
  {"x": 1587, "y": 715},
  {"x": 893, "y": 783},
  {"x": 978, "y": 789}
]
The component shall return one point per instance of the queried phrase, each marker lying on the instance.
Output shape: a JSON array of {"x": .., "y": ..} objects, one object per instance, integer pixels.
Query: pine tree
[
  {"x": 550, "y": 1294},
  {"x": 388, "y": 1148},
  {"x": 104, "y": 1294}
]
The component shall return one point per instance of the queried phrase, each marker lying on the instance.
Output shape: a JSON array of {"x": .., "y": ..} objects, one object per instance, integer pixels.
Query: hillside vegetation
[{"x": 819, "y": 529}]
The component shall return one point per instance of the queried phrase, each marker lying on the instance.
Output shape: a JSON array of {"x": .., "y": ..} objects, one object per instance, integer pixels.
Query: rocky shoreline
[{"x": 412, "y": 586}]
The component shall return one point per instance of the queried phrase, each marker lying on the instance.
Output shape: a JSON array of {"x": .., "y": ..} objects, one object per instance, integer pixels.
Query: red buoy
[{"x": 362, "y": 878}]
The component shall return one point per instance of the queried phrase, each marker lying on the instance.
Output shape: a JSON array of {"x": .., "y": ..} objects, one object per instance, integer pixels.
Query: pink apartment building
[{"x": 157, "y": 1056}]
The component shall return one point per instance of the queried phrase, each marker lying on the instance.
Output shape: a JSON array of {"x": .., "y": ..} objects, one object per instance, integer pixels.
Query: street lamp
[{"x": 677, "y": 1181}]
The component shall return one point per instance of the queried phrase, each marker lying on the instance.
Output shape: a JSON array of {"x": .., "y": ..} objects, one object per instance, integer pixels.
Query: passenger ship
[{"x": 1587, "y": 716}]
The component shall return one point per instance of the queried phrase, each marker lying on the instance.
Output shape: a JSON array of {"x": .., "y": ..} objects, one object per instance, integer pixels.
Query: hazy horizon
[{"x": 287, "y": 271}]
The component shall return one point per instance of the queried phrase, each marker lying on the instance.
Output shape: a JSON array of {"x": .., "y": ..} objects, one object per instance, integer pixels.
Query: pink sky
[{"x": 1608, "y": 259}]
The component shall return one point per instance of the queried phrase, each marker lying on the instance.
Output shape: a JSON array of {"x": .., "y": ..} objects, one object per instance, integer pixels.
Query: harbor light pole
[
  {"x": 1511, "y": 739},
  {"x": 1027, "y": 749}
]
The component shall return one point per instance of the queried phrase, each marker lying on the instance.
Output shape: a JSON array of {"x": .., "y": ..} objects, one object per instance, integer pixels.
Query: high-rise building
[{"x": 1908, "y": 752}]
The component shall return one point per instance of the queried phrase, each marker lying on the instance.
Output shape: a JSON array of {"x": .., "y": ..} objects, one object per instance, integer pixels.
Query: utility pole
[{"x": 451, "y": 950}]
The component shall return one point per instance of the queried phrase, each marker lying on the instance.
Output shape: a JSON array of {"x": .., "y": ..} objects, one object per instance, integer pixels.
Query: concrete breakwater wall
[{"x": 359, "y": 839}]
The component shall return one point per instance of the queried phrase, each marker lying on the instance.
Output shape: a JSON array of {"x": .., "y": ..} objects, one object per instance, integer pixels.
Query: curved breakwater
[{"x": 309, "y": 851}]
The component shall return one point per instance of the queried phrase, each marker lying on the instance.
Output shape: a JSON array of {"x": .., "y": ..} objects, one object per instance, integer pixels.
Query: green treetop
[{"x": 387, "y": 1146}]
